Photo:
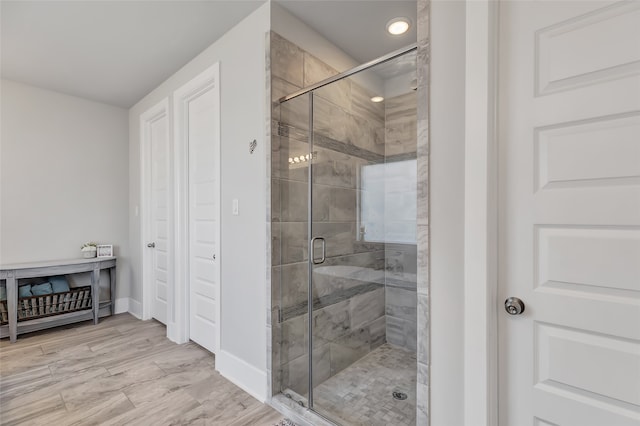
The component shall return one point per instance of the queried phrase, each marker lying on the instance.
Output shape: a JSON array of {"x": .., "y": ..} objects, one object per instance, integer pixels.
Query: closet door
[
  {"x": 154, "y": 125},
  {"x": 198, "y": 128}
]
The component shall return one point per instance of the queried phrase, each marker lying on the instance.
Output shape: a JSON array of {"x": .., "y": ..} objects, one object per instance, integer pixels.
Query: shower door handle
[{"x": 324, "y": 250}]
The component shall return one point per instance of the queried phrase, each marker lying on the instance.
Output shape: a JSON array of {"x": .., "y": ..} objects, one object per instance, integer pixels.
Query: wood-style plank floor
[{"x": 122, "y": 371}]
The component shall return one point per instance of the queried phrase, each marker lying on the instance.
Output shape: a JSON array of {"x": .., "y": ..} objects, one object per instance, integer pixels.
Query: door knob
[
  {"x": 514, "y": 306},
  {"x": 151, "y": 245}
]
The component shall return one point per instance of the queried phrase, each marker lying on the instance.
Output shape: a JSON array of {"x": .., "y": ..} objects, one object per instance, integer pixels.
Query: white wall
[
  {"x": 64, "y": 177},
  {"x": 241, "y": 53},
  {"x": 447, "y": 211}
]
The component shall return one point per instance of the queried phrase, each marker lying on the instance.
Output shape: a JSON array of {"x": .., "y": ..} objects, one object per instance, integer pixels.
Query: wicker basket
[{"x": 76, "y": 299}]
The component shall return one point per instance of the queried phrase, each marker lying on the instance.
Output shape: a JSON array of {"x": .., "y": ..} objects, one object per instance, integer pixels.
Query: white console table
[{"x": 12, "y": 273}]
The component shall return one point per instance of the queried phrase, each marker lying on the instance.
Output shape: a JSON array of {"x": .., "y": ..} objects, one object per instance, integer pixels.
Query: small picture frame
[{"x": 105, "y": 250}]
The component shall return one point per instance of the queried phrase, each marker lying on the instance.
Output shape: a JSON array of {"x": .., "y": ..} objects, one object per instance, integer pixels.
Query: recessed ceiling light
[
  {"x": 377, "y": 99},
  {"x": 398, "y": 26}
]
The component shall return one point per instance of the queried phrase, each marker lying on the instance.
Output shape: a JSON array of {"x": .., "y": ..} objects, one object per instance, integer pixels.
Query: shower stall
[{"x": 344, "y": 182}]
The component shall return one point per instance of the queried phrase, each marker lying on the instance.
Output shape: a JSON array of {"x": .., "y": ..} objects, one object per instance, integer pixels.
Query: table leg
[
  {"x": 12, "y": 307},
  {"x": 95, "y": 292},
  {"x": 112, "y": 279}
]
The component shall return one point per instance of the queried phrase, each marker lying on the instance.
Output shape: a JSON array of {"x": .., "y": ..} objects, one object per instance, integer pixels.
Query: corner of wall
[
  {"x": 244, "y": 375},
  {"x": 447, "y": 204},
  {"x": 126, "y": 304}
]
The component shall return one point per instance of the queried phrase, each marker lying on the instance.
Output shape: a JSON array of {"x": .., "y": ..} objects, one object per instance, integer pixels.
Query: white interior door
[
  {"x": 155, "y": 125},
  {"x": 569, "y": 203},
  {"x": 199, "y": 100}
]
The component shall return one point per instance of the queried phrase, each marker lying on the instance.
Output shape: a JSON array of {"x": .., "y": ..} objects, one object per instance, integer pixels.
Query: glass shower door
[
  {"x": 344, "y": 248},
  {"x": 348, "y": 318},
  {"x": 363, "y": 246}
]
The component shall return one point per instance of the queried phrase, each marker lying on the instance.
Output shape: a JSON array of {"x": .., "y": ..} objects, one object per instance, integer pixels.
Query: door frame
[
  {"x": 481, "y": 214},
  {"x": 156, "y": 112},
  {"x": 209, "y": 79}
]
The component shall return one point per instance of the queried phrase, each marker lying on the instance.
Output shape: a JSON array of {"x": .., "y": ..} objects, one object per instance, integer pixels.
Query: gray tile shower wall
[
  {"x": 349, "y": 293},
  {"x": 401, "y": 259},
  {"x": 401, "y": 124},
  {"x": 343, "y": 333},
  {"x": 422, "y": 387}
]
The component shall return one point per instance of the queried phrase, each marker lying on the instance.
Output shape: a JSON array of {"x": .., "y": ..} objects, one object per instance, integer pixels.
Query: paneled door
[
  {"x": 198, "y": 126},
  {"x": 569, "y": 206},
  {"x": 157, "y": 209}
]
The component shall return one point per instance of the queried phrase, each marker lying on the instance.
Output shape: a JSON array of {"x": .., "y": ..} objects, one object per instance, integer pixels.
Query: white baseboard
[
  {"x": 135, "y": 308},
  {"x": 244, "y": 375},
  {"x": 126, "y": 304},
  {"x": 173, "y": 334}
]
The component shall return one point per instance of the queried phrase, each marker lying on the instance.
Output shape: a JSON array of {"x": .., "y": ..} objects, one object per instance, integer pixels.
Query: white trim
[
  {"x": 446, "y": 212},
  {"x": 135, "y": 308},
  {"x": 127, "y": 304},
  {"x": 244, "y": 375},
  {"x": 208, "y": 80},
  {"x": 156, "y": 112},
  {"x": 480, "y": 276}
]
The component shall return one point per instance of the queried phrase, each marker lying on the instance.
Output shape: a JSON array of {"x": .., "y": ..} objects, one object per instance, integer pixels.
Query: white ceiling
[
  {"x": 109, "y": 51},
  {"x": 358, "y": 27},
  {"x": 118, "y": 51}
]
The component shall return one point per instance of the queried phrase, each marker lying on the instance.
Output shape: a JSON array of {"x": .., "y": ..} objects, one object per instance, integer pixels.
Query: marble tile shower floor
[{"x": 362, "y": 394}]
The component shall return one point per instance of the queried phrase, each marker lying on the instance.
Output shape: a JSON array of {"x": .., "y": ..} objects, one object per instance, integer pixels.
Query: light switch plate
[{"x": 235, "y": 210}]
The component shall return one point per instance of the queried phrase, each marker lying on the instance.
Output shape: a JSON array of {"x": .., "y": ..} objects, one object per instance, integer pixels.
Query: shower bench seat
[{"x": 14, "y": 272}]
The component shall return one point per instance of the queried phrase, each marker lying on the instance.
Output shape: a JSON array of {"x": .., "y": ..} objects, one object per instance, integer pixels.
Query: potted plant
[{"x": 89, "y": 249}]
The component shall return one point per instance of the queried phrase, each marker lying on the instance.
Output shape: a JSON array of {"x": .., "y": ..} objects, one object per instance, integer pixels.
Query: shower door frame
[
  {"x": 341, "y": 76},
  {"x": 310, "y": 256}
]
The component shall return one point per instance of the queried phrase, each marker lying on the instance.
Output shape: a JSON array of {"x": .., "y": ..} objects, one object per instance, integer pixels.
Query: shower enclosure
[{"x": 344, "y": 240}]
